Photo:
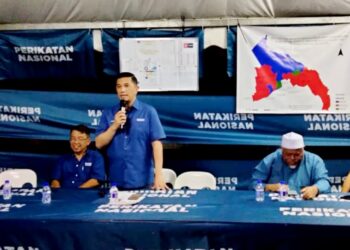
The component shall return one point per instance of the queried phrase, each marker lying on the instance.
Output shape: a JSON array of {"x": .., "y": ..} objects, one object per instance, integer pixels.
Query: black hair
[
  {"x": 127, "y": 74},
  {"x": 81, "y": 128}
]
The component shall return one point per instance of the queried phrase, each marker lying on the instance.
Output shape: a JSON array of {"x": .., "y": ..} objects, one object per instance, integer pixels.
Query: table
[{"x": 177, "y": 220}]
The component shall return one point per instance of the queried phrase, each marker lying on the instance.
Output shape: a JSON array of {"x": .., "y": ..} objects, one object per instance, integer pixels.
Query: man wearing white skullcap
[{"x": 303, "y": 171}]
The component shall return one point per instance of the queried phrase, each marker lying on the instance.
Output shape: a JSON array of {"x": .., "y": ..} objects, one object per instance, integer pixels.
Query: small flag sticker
[{"x": 188, "y": 45}]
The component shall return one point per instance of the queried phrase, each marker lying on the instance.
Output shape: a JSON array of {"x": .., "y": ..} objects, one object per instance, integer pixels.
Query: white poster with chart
[{"x": 161, "y": 64}]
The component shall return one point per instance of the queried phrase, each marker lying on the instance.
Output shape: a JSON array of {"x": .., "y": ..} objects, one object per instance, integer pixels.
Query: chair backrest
[
  {"x": 169, "y": 176},
  {"x": 19, "y": 177},
  {"x": 195, "y": 180}
]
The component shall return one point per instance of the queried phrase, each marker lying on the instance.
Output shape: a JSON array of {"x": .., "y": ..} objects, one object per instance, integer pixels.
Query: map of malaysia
[{"x": 276, "y": 67}]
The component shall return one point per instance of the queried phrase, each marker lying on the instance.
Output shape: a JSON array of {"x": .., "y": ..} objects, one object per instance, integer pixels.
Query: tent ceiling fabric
[{"x": 71, "y": 11}]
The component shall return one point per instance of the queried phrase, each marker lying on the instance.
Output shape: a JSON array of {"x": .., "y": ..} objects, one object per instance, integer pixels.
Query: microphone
[{"x": 123, "y": 105}]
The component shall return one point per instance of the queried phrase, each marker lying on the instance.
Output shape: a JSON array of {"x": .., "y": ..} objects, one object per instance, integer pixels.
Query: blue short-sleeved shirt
[
  {"x": 130, "y": 152},
  {"x": 72, "y": 173},
  {"x": 310, "y": 171}
]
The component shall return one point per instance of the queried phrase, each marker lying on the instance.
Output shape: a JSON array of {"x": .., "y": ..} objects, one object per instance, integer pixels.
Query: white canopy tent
[{"x": 41, "y": 14}]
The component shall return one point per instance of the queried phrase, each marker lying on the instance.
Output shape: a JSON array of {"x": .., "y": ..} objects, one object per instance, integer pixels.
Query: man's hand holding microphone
[{"x": 120, "y": 117}]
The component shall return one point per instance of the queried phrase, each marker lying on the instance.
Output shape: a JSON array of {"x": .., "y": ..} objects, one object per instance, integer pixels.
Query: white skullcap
[{"x": 292, "y": 141}]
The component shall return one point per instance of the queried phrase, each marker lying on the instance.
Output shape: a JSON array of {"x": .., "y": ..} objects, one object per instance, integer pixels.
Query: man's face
[
  {"x": 292, "y": 156},
  {"x": 126, "y": 89},
  {"x": 79, "y": 142}
]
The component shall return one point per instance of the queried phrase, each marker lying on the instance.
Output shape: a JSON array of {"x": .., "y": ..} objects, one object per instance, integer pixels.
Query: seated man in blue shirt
[
  {"x": 303, "y": 171},
  {"x": 84, "y": 168},
  {"x": 131, "y": 132}
]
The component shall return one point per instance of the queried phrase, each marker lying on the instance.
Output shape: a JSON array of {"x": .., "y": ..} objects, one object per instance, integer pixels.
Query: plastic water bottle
[
  {"x": 46, "y": 194},
  {"x": 6, "y": 190},
  {"x": 113, "y": 194},
  {"x": 259, "y": 191},
  {"x": 283, "y": 191}
]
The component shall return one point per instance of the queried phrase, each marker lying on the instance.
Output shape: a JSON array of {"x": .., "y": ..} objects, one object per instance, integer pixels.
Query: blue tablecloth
[{"x": 181, "y": 219}]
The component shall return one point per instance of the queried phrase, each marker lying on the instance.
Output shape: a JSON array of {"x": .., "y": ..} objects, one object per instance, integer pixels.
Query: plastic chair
[
  {"x": 19, "y": 177},
  {"x": 195, "y": 180},
  {"x": 169, "y": 176}
]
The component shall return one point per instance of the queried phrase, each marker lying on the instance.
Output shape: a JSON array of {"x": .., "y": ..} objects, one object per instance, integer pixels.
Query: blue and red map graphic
[{"x": 276, "y": 67}]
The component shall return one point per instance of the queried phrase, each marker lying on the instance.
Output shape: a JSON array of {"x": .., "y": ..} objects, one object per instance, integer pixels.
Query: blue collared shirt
[
  {"x": 310, "y": 171},
  {"x": 130, "y": 152},
  {"x": 72, "y": 173}
]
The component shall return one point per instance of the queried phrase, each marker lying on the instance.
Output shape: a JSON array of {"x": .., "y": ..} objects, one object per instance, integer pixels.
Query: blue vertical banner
[
  {"x": 38, "y": 54},
  {"x": 231, "y": 51},
  {"x": 110, "y": 42}
]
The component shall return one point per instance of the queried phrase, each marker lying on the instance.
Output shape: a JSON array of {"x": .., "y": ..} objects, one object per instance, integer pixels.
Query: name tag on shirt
[
  {"x": 88, "y": 164},
  {"x": 140, "y": 119}
]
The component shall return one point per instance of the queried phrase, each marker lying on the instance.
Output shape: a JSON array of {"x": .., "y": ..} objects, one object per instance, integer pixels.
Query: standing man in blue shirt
[
  {"x": 84, "y": 168},
  {"x": 132, "y": 132},
  {"x": 302, "y": 171}
]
